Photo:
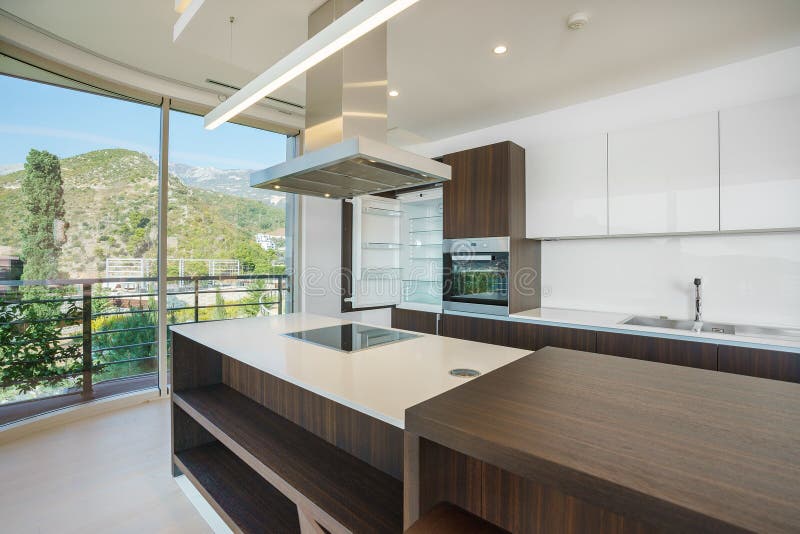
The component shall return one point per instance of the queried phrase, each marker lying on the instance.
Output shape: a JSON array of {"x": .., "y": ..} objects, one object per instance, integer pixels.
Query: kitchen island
[{"x": 281, "y": 435}]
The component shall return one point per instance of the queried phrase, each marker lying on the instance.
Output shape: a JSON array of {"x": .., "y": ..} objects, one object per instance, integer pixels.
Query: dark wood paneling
[
  {"x": 476, "y": 198},
  {"x": 447, "y": 475},
  {"x": 772, "y": 364},
  {"x": 245, "y": 501},
  {"x": 187, "y": 433},
  {"x": 532, "y": 336},
  {"x": 525, "y": 506},
  {"x": 474, "y": 329},
  {"x": 367, "y": 438},
  {"x": 656, "y": 349},
  {"x": 680, "y": 448},
  {"x": 319, "y": 476},
  {"x": 446, "y": 518},
  {"x": 418, "y": 321},
  {"x": 193, "y": 364}
]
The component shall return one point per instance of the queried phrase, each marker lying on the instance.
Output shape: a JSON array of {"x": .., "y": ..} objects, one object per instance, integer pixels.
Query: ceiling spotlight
[
  {"x": 276, "y": 187},
  {"x": 394, "y": 92},
  {"x": 500, "y": 49},
  {"x": 578, "y": 20},
  {"x": 327, "y": 195}
]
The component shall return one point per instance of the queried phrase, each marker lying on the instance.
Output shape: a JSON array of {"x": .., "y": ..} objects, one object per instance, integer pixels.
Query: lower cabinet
[
  {"x": 484, "y": 330},
  {"x": 417, "y": 321},
  {"x": 762, "y": 363},
  {"x": 655, "y": 349},
  {"x": 536, "y": 336}
]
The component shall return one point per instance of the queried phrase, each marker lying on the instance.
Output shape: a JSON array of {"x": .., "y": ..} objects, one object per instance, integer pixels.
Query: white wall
[
  {"x": 752, "y": 278},
  {"x": 320, "y": 262}
]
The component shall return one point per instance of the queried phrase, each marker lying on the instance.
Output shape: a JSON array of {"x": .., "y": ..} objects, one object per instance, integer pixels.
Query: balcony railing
[{"x": 64, "y": 342}]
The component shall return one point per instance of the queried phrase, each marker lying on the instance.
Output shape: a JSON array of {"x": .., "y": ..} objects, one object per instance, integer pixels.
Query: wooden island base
[{"x": 272, "y": 457}]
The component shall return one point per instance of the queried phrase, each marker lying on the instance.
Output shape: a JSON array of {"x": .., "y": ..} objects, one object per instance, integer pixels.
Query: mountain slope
[
  {"x": 231, "y": 181},
  {"x": 111, "y": 199}
]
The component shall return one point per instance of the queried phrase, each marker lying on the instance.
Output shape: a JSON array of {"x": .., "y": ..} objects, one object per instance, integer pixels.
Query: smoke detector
[{"x": 578, "y": 20}]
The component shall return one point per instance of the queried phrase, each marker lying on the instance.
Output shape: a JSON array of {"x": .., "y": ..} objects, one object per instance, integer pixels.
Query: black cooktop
[{"x": 350, "y": 337}]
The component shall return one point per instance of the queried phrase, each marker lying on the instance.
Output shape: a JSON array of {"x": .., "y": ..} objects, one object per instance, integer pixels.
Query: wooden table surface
[{"x": 681, "y": 448}]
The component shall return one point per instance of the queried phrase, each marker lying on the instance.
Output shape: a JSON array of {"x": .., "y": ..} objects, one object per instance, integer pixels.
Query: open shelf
[
  {"x": 382, "y": 212},
  {"x": 425, "y": 218},
  {"x": 383, "y": 246},
  {"x": 236, "y": 492},
  {"x": 310, "y": 470}
]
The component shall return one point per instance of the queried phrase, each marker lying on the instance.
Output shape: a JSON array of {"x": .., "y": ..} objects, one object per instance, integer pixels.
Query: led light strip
[{"x": 359, "y": 21}]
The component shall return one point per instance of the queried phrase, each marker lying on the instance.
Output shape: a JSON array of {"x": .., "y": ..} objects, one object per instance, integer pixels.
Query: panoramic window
[
  {"x": 226, "y": 240},
  {"x": 78, "y": 188}
]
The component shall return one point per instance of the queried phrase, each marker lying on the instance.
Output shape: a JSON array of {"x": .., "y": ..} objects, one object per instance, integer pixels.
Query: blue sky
[{"x": 67, "y": 122}]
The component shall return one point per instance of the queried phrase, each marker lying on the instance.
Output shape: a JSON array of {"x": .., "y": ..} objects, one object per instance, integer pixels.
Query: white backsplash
[{"x": 747, "y": 278}]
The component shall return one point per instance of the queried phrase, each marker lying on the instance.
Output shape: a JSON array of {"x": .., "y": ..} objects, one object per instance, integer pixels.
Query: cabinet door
[
  {"x": 376, "y": 252},
  {"x": 654, "y": 349},
  {"x": 417, "y": 321},
  {"x": 760, "y": 165},
  {"x": 772, "y": 364},
  {"x": 536, "y": 336},
  {"x": 476, "y": 198},
  {"x": 664, "y": 178},
  {"x": 474, "y": 329},
  {"x": 567, "y": 188}
]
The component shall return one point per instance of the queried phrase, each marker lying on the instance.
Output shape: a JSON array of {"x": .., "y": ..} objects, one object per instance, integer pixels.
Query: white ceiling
[{"x": 440, "y": 51}]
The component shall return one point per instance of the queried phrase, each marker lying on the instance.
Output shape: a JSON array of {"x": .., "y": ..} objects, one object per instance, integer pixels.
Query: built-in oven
[{"x": 475, "y": 275}]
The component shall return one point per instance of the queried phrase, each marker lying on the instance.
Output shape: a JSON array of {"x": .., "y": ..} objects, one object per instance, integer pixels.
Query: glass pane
[
  {"x": 78, "y": 192},
  {"x": 226, "y": 240}
]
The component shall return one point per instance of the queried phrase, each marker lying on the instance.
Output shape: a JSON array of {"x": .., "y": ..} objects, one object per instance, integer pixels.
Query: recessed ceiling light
[
  {"x": 394, "y": 92},
  {"x": 327, "y": 195},
  {"x": 277, "y": 187},
  {"x": 578, "y": 20},
  {"x": 500, "y": 49}
]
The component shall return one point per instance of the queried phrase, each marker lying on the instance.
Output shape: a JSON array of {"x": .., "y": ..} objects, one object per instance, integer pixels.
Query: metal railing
[{"x": 97, "y": 325}]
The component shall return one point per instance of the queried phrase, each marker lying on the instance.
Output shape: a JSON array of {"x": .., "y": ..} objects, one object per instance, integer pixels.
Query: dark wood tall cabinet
[{"x": 486, "y": 198}]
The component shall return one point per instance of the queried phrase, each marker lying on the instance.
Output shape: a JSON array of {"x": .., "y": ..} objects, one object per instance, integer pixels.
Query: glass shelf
[
  {"x": 424, "y": 231},
  {"x": 434, "y": 258},
  {"x": 422, "y": 281},
  {"x": 423, "y": 218},
  {"x": 383, "y": 246},
  {"x": 382, "y": 212},
  {"x": 423, "y": 298}
]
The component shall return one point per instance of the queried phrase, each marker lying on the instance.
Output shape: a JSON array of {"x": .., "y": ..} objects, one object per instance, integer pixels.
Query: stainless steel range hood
[{"x": 344, "y": 142}]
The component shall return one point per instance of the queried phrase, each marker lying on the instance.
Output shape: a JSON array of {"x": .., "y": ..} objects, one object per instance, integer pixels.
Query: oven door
[{"x": 476, "y": 275}]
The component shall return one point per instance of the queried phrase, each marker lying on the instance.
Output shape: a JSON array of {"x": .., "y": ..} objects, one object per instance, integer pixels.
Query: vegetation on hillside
[{"x": 110, "y": 207}]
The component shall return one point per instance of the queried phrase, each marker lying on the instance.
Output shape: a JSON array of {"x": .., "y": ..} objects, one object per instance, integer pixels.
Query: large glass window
[
  {"x": 79, "y": 228},
  {"x": 78, "y": 188},
  {"x": 226, "y": 240}
]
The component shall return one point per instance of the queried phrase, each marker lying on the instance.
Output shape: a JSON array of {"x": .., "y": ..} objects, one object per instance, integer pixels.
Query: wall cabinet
[
  {"x": 566, "y": 188},
  {"x": 772, "y": 364},
  {"x": 475, "y": 329},
  {"x": 760, "y": 165},
  {"x": 417, "y": 321},
  {"x": 664, "y": 178},
  {"x": 486, "y": 190},
  {"x": 531, "y": 336},
  {"x": 654, "y": 349}
]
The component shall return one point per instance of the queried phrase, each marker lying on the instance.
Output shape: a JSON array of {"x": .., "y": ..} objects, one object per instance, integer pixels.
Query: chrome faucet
[{"x": 698, "y": 300}]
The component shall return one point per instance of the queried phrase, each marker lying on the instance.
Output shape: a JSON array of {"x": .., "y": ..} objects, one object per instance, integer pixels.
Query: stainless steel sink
[
  {"x": 792, "y": 334},
  {"x": 658, "y": 322}
]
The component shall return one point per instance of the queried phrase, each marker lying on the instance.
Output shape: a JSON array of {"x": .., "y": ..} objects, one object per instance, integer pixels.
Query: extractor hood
[{"x": 344, "y": 142}]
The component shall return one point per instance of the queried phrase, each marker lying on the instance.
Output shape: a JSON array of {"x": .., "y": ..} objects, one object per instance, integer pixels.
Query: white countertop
[
  {"x": 613, "y": 322},
  {"x": 381, "y": 381}
]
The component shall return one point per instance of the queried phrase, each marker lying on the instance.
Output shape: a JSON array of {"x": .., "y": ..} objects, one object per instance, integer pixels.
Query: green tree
[
  {"x": 43, "y": 220},
  {"x": 220, "y": 312}
]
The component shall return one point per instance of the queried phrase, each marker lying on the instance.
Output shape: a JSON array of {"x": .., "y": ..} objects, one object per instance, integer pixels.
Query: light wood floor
[{"x": 108, "y": 473}]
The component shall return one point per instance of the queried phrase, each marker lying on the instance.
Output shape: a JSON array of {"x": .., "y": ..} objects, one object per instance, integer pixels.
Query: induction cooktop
[{"x": 350, "y": 337}]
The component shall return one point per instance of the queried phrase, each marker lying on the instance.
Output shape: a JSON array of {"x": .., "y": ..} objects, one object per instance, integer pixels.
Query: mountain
[
  {"x": 111, "y": 199},
  {"x": 232, "y": 182},
  {"x": 14, "y": 167}
]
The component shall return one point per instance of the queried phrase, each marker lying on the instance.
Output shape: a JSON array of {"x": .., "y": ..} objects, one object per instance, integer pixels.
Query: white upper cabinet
[
  {"x": 760, "y": 165},
  {"x": 566, "y": 193},
  {"x": 664, "y": 178}
]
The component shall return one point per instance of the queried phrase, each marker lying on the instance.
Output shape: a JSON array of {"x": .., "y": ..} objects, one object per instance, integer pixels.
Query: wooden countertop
[{"x": 678, "y": 447}]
